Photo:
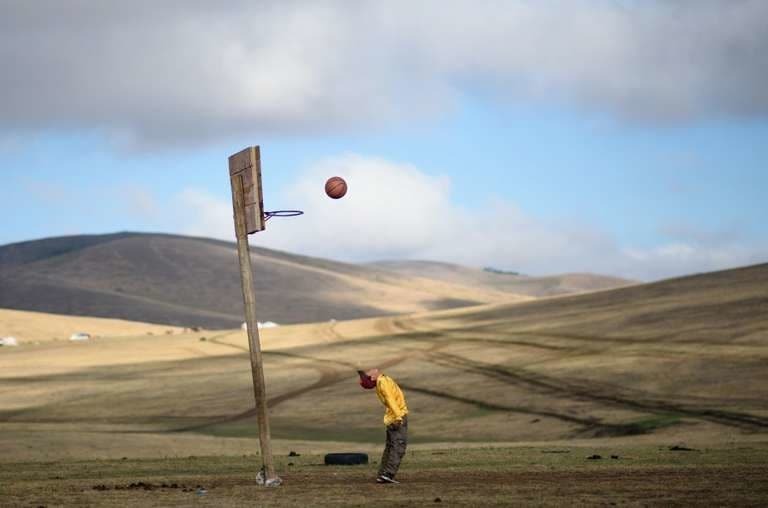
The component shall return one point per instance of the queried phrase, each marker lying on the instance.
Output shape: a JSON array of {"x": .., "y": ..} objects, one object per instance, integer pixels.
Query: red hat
[{"x": 366, "y": 381}]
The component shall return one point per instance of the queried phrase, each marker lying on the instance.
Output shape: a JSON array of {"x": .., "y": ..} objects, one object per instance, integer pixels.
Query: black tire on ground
[{"x": 346, "y": 459}]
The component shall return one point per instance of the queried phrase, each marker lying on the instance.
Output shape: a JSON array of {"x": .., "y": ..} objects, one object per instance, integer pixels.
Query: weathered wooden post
[{"x": 247, "y": 201}]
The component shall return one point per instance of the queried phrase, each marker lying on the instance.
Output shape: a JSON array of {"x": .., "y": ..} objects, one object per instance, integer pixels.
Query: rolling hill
[
  {"x": 188, "y": 281},
  {"x": 677, "y": 361},
  {"x": 569, "y": 283}
]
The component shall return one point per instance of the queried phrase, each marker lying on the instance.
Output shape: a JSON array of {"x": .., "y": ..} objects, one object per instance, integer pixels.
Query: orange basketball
[{"x": 335, "y": 187}]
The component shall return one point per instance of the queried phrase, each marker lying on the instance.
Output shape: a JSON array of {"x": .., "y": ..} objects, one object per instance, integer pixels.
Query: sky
[{"x": 618, "y": 137}]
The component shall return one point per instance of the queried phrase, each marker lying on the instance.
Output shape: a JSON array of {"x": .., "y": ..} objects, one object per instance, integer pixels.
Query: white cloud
[
  {"x": 390, "y": 209},
  {"x": 395, "y": 211},
  {"x": 684, "y": 258},
  {"x": 155, "y": 73},
  {"x": 199, "y": 213}
]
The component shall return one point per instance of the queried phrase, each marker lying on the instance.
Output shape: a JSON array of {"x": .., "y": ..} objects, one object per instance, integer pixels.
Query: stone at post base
[{"x": 272, "y": 482}]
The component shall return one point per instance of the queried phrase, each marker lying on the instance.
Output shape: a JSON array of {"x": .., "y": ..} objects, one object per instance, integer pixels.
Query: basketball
[{"x": 335, "y": 187}]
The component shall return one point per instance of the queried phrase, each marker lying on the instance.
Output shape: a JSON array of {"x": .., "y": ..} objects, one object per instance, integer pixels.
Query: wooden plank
[
  {"x": 243, "y": 159},
  {"x": 247, "y": 164},
  {"x": 238, "y": 181}
]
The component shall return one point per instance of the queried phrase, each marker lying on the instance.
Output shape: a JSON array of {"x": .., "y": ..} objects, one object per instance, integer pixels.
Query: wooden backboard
[{"x": 247, "y": 165}]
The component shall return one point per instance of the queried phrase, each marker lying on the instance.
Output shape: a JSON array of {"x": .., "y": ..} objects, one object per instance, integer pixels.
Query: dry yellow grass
[
  {"x": 676, "y": 361},
  {"x": 42, "y": 327}
]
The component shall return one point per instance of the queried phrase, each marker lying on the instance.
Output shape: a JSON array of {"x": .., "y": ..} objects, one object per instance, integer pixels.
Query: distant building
[
  {"x": 265, "y": 324},
  {"x": 8, "y": 341},
  {"x": 80, "y": 336}
]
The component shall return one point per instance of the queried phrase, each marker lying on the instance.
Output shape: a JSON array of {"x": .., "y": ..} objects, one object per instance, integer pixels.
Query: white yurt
[{"x": 265, "y": 324}]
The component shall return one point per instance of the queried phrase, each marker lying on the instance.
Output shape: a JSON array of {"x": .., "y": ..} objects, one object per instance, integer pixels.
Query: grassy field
[
  {"x": 28, "y": 326},
  {"x": 681, "y": 362},
  {"x": 542, "y": 476}
]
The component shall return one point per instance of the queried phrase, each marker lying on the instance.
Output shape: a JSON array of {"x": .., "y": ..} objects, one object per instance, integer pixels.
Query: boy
[{"x": 395, "y": 419}]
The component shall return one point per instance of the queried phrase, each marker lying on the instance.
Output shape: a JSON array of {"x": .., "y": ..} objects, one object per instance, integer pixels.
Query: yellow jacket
[{"x": 392, "y": 397}]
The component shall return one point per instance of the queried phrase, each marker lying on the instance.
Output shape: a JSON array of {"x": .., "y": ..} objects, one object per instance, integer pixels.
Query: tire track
[
  {"x": 333, "y": 372},
  {"x": 592, "y": 392},
  {"x": 587, "y": 423},
  {"x": 329, "y": 376}
]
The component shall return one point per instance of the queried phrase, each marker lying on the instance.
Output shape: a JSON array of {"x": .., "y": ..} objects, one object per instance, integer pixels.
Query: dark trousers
[{"x": 397, "y": 440}]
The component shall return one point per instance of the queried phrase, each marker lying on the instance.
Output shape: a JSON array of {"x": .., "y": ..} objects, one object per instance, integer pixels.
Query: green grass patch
[{"x": 653, "y": 423}]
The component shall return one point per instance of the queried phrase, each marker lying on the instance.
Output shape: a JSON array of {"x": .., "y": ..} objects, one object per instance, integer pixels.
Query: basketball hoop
[{"x": 282, "y": 213}]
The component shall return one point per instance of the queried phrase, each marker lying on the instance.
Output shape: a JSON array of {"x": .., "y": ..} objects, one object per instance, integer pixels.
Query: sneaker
[{"x": 386, "y": 479}]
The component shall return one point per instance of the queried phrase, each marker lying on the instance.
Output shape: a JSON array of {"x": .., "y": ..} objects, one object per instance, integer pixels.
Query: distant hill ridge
[
  {"x": 34, "y": 250},
  {"x": 189, "y": 281},
  {"x": 501, "y": 280}
]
